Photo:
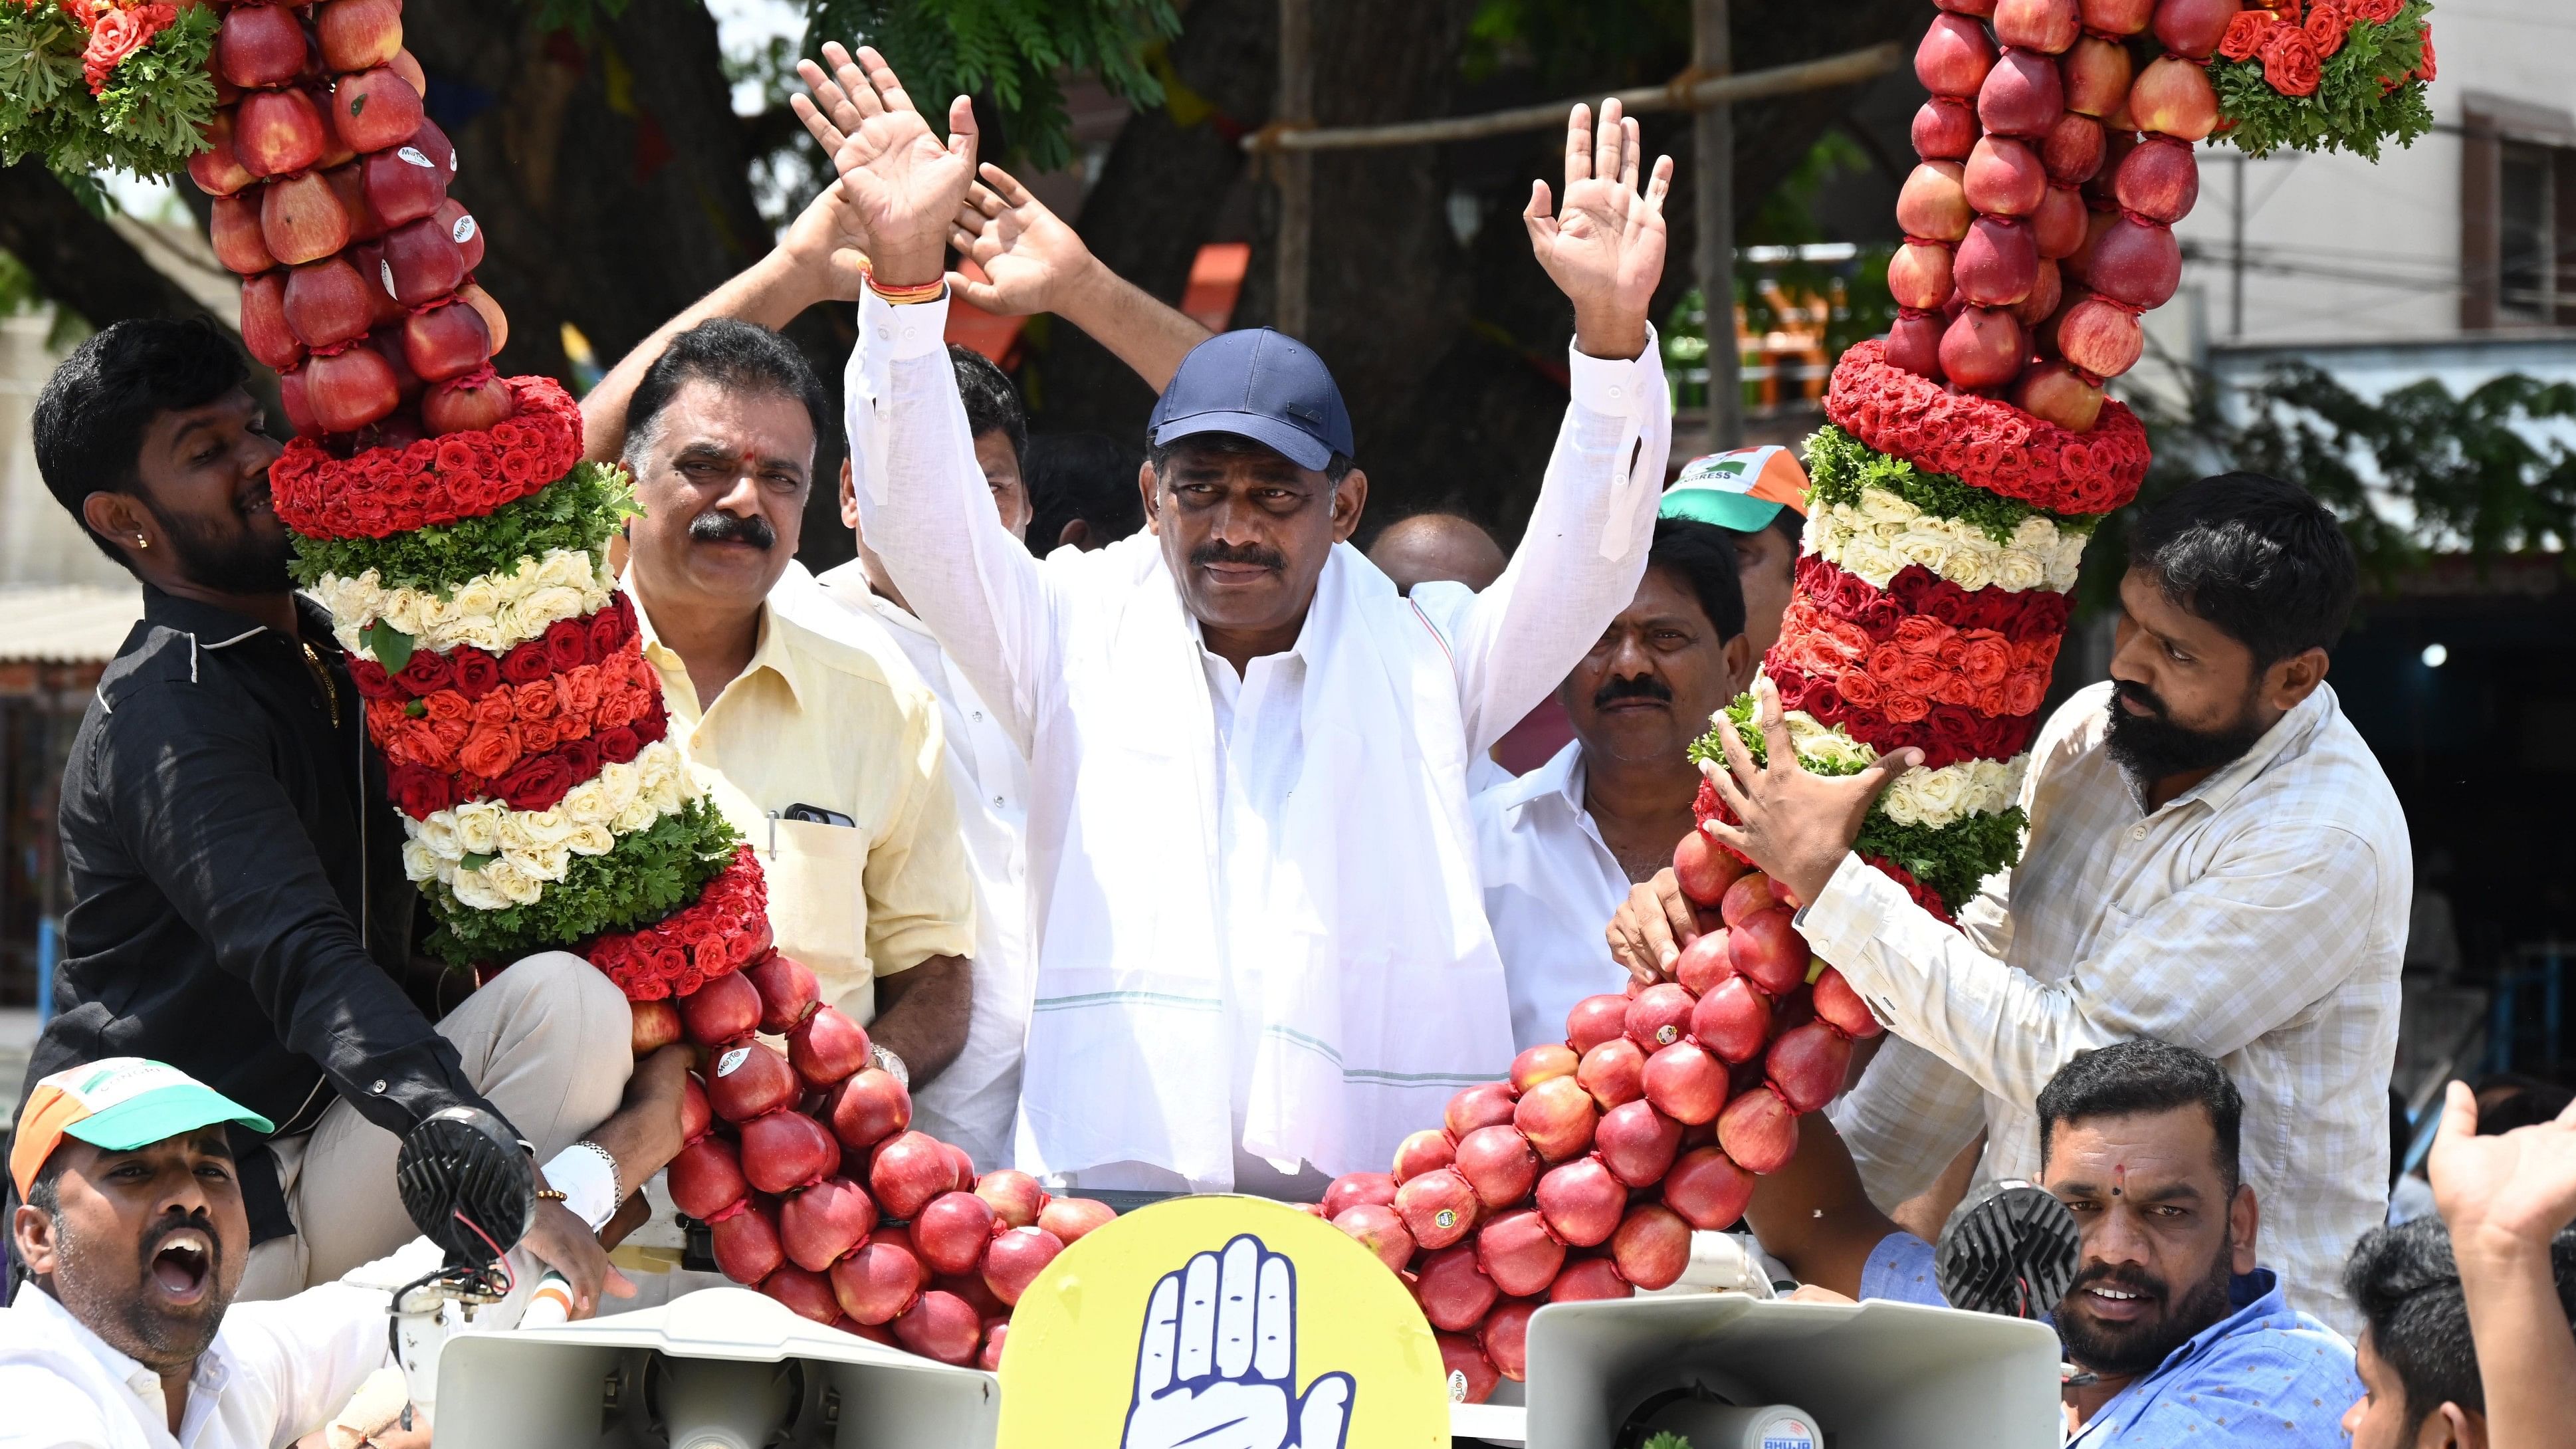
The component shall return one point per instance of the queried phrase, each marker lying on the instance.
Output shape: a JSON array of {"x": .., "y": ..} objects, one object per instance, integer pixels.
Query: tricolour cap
[
  {"x": 118, "y": 1103},
  {"x": 1262, "y": 384},
  {"x": 1742, "y": 490}
]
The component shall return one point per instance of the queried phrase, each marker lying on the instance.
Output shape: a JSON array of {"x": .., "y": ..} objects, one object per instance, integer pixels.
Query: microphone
[{"x": 2011, "y": 1249}]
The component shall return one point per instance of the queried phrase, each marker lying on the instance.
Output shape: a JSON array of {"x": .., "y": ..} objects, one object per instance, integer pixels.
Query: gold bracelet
[{"x": 550, "y": 1194}]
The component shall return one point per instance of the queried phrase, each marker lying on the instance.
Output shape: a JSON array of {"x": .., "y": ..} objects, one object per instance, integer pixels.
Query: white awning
[{"x": 66, "y": 623}]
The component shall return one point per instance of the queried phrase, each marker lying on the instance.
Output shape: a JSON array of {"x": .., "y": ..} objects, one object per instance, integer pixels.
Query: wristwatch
[{"x": 891, "y": 1065}]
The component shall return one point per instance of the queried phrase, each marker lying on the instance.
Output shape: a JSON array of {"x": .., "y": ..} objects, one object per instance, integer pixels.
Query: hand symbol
[
  {"x": 1217, "y": 1368},
  {"x": 904, "y": 187},
  {"x": 1605, "y": 247}
]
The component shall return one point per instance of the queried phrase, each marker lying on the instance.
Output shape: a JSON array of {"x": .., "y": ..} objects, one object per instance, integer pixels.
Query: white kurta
[
  {"x": 1282, "y": 870},
  {"x": 1551, "y": 886}
]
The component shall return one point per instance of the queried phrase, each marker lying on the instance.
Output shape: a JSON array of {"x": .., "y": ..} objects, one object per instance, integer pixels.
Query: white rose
[
  {"x": 1878, "y": 503},
  {"x": 513, "y": 834},
  {"x": 1871, "y": 561},
  {"x": 592, "y": 839},
  {"x": 550, "y": 862},
  {"x": 1931, "y": 547},
  {"x": 475, "y": 891},
  {"x": 436, "y": 834},
  {"x": 515, "y": 884},
  {"x": 566, "y": 568},
  {"x": 635, "y": 817},
  {"x": 2064, "y": 563},
  {"x": 586, "y": 802},
  {"x": 546, "y": 827},
  {"x": 617, "y": 790},
  {"x": 1936, "y": 796},
  {"x": 540, "y": 607},
  {"x": 418, "y": 863},
  {"x": 1830, "y": 530},
  {"x": 2018, "y": 569},
  {"x": 408, "y": 610},
  {"x": 478, "y": 827},
  {"x": 1971, "y": 568}
]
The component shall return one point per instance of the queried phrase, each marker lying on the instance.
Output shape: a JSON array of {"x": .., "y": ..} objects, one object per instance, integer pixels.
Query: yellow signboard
[{"x": 1220, "y": 1323}]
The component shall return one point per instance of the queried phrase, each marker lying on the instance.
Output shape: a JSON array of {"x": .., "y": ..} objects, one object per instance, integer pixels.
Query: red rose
[
  {"x": 651, "y": 725},
  {"x": 490, "y": 749},
  {"x": 1952, "y": 735},
  {"x": 663, "y": 959},
  {"x": 454, "y": 461},
  {"x": 1861, "y": 690},
  {"x": 1986, "y": 659},
  {"x": 118, "y": 34},
  {"x": 581, "y": 757},
  {"x": 427, "y": 673},
  {"x": 2245, "y": 34},
  {"x": 419, "y": 791},
  {"x": 2424, "y": 69},
  {"x": 2377, "y": 12},
  {"x": 527, "y": 664},
  {"x": 372, "y": 681},
  {"x": 520, "y": 468},
  {"x": 476, "y": 673},
  {"x": 686, "y": 980},
  {"x": 567, "y": 644},
  {"x": 2289, "y": 61},
  {"x": 537, "y": 784},
  {"x": 611, "y": 627},
  {"x": 620, "y": 745},
  {"x": 740, "y": 946},
  {"x": 2326, "y": 26}
]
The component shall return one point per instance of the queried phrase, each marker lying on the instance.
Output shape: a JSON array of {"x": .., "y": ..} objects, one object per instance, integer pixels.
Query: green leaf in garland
[
  {"x": 390, "y": 647},
  {"x": 2350, "y": 110},
  {"x": 477, "y": 861}
]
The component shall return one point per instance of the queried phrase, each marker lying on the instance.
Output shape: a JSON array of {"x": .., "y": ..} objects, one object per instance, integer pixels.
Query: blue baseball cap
[{"x": 1261, "y": 384}]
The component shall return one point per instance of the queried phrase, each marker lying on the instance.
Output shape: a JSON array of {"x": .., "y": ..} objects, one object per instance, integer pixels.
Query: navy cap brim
[{"x": 1296, "y": 445}]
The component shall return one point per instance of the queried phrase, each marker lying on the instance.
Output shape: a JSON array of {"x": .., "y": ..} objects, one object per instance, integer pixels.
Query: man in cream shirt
[
  {"x": 826, "y": 756},
  {"x": 1263, "y": 955}
]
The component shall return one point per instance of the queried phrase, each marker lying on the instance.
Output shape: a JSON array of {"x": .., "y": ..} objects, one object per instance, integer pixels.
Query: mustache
[
  {"x": 2141, "y": 696},
  {"x": 1248, "y": 553},
  {"x": 718, "y": 526},
  {"x": 1642, "y": 686}
]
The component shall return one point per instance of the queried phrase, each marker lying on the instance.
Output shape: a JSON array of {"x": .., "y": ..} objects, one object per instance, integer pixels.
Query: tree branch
[{"x": 78, "y": 259}]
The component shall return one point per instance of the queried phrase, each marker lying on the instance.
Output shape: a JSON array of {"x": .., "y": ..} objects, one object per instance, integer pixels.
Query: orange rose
[
  {"x": 1920, "y": 676},
  {"x": 383, "y": 717},
  {"x": 2023, "y": 692},
  {"x": 537, "y": 736},
  {"x": 490, "y": 750},
  {"x": 450, "y": 734},
  {"x": 2326, "y": 25},
  {"x": 1921, "y": 634},
  {"x": 2245, "y": 34},
  {"x": 1955, "y": 689},
  {"x": 1859, "y": 689},
  {"x": 448, "y": 704},
  {"x": 1990, "y": 701},
  {"x": 1903, "y": 708},
  {"x": 2289, "y": 61},
  {"x": 118, "y": 34},
  {"x": 571, "y": 726},
  {"x": 1886, "y": 664},
  {"x": 537, "y": 700},
  {"x": 1952, "y": 650},
  {"x": 620, "y": 706},
  {"x": 401, "y": 742},
  {"x": 2424, "y": 70},
  {"x": 1986, "y": 661},
  {"x": 495, "y": 709}
]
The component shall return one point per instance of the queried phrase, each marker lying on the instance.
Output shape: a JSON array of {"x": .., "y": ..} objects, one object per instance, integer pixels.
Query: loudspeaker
[
  {"x": 1874, "y": 1375},
  {"x": 723, "y": 1368}
]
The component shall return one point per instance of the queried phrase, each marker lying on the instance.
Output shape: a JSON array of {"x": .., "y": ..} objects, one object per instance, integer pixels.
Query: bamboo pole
[
  {"x": 1713, "y": 177},
  {"x": 1295, "y": 170}
]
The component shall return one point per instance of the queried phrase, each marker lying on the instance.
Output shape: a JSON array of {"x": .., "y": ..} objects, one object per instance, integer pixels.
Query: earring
[{"x": 141, "y": 542}]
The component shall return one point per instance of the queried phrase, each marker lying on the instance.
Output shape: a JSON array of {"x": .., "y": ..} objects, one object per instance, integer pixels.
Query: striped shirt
[{"x": 2259, "y": 917}]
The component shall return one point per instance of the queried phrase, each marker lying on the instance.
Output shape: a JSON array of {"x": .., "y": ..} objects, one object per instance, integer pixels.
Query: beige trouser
[{"x": 548, "y": 1042}]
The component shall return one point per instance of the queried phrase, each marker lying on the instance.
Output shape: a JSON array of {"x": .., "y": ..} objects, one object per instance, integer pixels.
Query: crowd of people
[{"x": 1166, "y": 840}]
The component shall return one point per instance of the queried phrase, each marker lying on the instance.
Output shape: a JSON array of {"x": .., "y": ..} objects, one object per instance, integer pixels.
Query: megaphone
[{"x": 722, "y": 1368}]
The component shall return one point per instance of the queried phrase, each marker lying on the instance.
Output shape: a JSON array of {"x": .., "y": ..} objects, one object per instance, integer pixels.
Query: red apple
[
  {"x": 1998, "y": 263},
  {"x": 1953, "y": 57},
  {"x": 409, "y": 69},
  {"x": 2047, "y": 288},
  {"x": 1425, "y": 1151},
  {"x": 402, "y": 184},
  {"x": 216, "y": 170},
  {"x": 1380, "y": 1230},
  {"x": 336, "y": 150},
  {"x": 1471, "y": 1376},
  {"x": 1919, "y": 275},
  {"x": 1438, "y": 1208},
  {"x": 1708, "y": 1189},
  {"x": 2004, "y": 178},
  {"x": 1837, "y": 1002},
  {"x": 290, "y": 396},
  {"x": 2100, "y": 337},
  {"x": 2049, "y": 390},
  {"x": 1704, "y": 869},
  {"x": 1766, "y": 948},
  {"x": 2097, "y": 221},
  {"x": 1652, "y": 1247},
  {"x": 1505, "y": 1334},
  {"x": 359, "y": 34},
  {"x": 1659, "y": 1015},
  {"x": 1983, "y": 348},
  {"x": 2022, "y": 96},
  {"x": 462, "y": 229},
  {"x": 1350, "y": 1190},
  {"x": 2135, "y": 262},
  {"x": 2047, "y": 26},
  {"x": 1585, "y": 1279},
  {"x": 423, "y": 263},
  {"x": 350, "y": 189},
  {"x": 2192, "y": 28},
  {"x": 467, "y": 404},
  {"x": 1498, "y": 1163},
  {"x": 2072, "y": 149},
  {"x": 348, "y": 390},
  {"x": 2117, "y": 143},
  {"x": 432, "y": 143},
  {"x": 1547, "y": 1059},
  {"x": 494, "y": 321},
  {"x": 449, "y": 340},
  {"x": 301, "y": 219},
  {"x": 1453, "y": 1291},
  {"x": 2117, "y": 17},
  {"x": 1733, "y": 1020},
  {"x": 2159, "y": 181},
  {"x": 1484, "y": 1105},
  {"x": 1944, "y": 129},
  {"x": 1978, "y": 8},
  {"x": 1582, "y": 1202},
  {"x": 264, "y": 326},
  {"x": 1933, "y": 205},
  {"x": 2057, "y": 228},
  {"x": 1613, "y": 1072},
  {"x": 2097, "y": 75},
  {"x": 326, "y": 302},
  {"x": 1071, "y": 1217},
  {"x": 1914, "y": 344},
  {"x": 1759, "y": 1130},
  {"x": 1637, "y": 1143},
  {"x": 375, "y": 108},
  {"x": 1518, "y": 1253},
  {"x": 1557, "y": 1117},
  {"x": 1702, "y": 963},
  {"x": 1807, "y": 1064},
  {"x": 259, "y": 45},
  {"x": 383, "y": 310},
  {"x": 1685, "y": 1083},
  {"x": 2172, "y": 97},
  {"x": 275, "y": 132}
]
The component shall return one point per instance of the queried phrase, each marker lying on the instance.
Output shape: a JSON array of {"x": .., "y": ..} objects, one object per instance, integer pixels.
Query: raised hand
[
  {"x": 2519, "y": 1185},
  {"x": 1216, "y": 1367},
  {"x": 903, "y": 186},
  {"x": 1604, "y": 248},
  {"x": 1792, "y": 823},
  {"x": 827, "y": 248},
  {"x": 1032, "y": 261}
]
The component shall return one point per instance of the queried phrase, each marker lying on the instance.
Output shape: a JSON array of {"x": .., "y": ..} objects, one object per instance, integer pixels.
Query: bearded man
[{"x": 2213, "y": 858}]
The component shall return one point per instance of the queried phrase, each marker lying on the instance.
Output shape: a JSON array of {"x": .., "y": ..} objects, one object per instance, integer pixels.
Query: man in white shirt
[
  {"x": 1562, "y": 845},
  {"x": 1263, "y": 954},
  {"x": 2213, "y": 858}
]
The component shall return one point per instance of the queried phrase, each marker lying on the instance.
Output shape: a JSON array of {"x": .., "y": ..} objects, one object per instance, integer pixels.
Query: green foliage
[
  {"x": 147, "y": 119},
  {"x": 649, "y": 874},
  {"x": 2417, "y": 470},
  {"x": 2350, "y": 110},
  {"x": 1667, "y": 1440},
  {"x": 1578, "y": 43},
  {"x": 1008, "y": 52},
  {"x": 1841, "y": 467},
  {"x": 1951, "y": 860},
  {"x": 577, "y": 511}
]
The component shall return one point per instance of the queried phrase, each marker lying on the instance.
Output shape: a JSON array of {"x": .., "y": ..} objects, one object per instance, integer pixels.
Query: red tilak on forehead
[{"x": 2119, "y": 1177}]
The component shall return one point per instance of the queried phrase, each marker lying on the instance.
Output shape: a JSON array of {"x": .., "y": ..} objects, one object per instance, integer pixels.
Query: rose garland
[
  {"x": 579, "y": 512},
  {"x": 2350, "y": 75},
  {"x": 1945, "y": 733},
  {"x": 493, "y": 853},
  {"x": 1902, "y": 672},
  {"x": 477, "y": 743},
  {"x": 1883, "y": 534},
  {"x": 726, "y": 928},
  {"x": 649, "y": 874},
  {"x": 2027, "y": 616},
  {"x": 1985, "y": 442},
  {"x": 566, "y": 645},
  {"x": 94, "y": 86},
  {"x": 440, "y": 480},
  {"x": 1842, "y": 470},
  {"x": 493, "y": 612}
]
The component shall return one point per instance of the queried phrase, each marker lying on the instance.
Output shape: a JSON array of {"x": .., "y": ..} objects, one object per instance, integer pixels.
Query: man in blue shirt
[{"x": 2185, "y": 1339}]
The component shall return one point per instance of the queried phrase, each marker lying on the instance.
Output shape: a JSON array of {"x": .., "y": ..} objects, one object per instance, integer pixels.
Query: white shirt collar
[
  {"x": 1561, "y": 777},
  {"x": 204, "y": 1383}
]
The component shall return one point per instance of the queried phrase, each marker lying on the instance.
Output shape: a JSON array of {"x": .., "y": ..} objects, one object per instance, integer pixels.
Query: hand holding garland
[{"x": 1796, "y": 825}]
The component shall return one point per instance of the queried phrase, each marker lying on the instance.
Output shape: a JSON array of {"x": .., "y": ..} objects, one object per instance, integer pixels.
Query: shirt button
[
  {"x": 1617, "y": 391},
  {"x": 883, "y": 334},
  {"x": 2138, "y": 834},
  {"x": 997, "y": 802},
  {"x": 378, "y": 1086}
]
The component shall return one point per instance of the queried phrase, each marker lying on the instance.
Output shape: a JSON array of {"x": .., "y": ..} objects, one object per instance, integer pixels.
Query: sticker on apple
[
  {"x": 463, "y": 231},
  {"x": 732, "y": 1059}
]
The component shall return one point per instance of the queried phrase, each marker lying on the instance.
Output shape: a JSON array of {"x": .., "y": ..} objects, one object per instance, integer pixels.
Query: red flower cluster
[
  {"x": 385, "y": 491},
  {"x": 490, "y": 746},
  {"x": 566, "y": 645},
  {"x": 529, "y": 780},
  {"x": 1903, "y": 671},
  {"x": 724, "y": 930},
  {"x": 1984, "y": 442},
  {"x": 117, "y": 33},
  {"x": 1946, "y": 734},
  {"x": 2245, "y": 33},
  {"x": 1706, "y": 807},
  {"x": 2290, "y": 61},
  {"x": 2025, "y": 616}
]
